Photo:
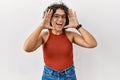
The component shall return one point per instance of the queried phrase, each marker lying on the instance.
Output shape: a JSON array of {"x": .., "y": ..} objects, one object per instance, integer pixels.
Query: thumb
[
  {"x": 66, "y": 27},
  {"x": 50, "y": 27}
]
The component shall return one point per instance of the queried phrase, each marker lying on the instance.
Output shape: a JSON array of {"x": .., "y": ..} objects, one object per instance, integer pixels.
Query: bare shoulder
[
  {"x": 45, "y": 35},
  {"x": 70, "y": 35}
]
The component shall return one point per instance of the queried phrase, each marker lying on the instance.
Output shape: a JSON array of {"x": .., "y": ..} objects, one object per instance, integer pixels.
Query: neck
[{"x": 57, "y": 32}]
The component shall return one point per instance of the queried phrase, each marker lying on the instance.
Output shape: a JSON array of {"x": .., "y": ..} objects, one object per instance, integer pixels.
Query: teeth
[{"x": 59, "y": 23}]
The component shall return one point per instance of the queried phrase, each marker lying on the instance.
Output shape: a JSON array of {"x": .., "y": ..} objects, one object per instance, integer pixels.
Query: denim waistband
[{"x": 57, "y": 72}]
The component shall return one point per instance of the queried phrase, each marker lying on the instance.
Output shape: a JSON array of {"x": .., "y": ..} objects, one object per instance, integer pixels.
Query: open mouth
[{"x": 59, "y": 25}]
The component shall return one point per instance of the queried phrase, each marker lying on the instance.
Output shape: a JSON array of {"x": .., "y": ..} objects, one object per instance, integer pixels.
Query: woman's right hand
[{"x": 46, "y": 20}]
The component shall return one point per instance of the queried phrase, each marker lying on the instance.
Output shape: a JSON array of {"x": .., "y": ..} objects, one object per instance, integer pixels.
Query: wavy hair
[{"x": 56, "y": 6}]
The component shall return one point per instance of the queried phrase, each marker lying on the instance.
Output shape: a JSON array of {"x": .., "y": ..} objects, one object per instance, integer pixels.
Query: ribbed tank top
[{"x": 58, "y": 51}]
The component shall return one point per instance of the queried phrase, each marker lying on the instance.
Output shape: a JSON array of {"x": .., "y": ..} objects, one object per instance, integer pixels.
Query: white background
[{"x": 18, "y": 18}]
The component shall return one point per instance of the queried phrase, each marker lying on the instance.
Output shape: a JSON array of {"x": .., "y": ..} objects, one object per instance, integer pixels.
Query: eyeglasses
[{"x": 57, "y": 16}]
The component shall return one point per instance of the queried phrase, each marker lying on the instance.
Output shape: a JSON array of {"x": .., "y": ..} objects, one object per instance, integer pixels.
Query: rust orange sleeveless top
[{"x": 58, "y": 51}]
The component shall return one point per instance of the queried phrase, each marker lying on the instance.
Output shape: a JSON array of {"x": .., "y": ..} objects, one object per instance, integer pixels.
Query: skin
[{"x": 38, "y": 38}]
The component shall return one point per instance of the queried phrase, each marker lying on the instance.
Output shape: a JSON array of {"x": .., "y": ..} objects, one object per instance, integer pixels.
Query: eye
[
  {"x": 63, "y": 16},
  {"x": 56, "y": 16}
]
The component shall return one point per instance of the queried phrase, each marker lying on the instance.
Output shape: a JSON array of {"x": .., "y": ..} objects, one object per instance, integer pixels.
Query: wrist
[
  {"x": 78, "y": 26},
  {"x": 41, "y": 26}
]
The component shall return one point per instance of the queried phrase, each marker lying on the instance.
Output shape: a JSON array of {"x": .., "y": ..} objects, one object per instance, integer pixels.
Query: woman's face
[{"x": 58, "y": 20}]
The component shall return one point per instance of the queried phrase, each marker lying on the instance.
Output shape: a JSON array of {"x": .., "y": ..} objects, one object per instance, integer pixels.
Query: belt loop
[
  {"x": 51, "y": 72},
  {"x": 65, "y": 71}
]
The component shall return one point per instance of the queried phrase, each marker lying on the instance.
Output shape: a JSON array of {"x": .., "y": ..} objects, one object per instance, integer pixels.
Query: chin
[{"x": 60, "y": 29}]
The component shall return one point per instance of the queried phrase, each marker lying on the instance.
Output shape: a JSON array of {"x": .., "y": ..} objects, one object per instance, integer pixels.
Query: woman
[{"x": 57, "y": 42}]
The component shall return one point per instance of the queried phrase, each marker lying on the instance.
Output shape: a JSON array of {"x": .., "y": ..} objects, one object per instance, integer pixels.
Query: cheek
[
  {"x": 52, "y": 21},
  {"x": 64, "y": 22}
]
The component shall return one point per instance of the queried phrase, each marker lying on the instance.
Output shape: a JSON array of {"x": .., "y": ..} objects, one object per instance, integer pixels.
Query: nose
[{"x": 60, "y": 18}]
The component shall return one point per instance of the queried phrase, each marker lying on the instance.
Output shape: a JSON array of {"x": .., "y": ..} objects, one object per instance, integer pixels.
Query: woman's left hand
[{"x": 73, "y": 22}]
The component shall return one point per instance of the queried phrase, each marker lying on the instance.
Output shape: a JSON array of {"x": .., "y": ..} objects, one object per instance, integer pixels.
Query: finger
[
  {"x": 48, "y": 14},
  {"x": 50, "y": 11},
  {"x": 45, "y": 14},
  {"x": 70, "y": 12},
  {"x": 75, "y": 14}
]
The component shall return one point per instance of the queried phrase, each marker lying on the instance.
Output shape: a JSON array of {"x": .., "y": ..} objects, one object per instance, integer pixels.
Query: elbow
[
  {"x": 27, "y": 49},
  {"x": 93, "y": 45}
]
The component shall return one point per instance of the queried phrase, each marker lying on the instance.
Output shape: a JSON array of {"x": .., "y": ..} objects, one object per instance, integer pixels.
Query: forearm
[
  {"x": 31, "y": 41},
  {"x": 88, "y": 38}
]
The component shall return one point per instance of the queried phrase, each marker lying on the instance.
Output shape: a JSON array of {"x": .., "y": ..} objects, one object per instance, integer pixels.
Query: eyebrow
[{"x": 59, "y": 14}]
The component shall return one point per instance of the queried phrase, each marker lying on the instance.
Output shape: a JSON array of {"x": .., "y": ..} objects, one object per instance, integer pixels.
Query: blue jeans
[{"x": 51, "y": 74}]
